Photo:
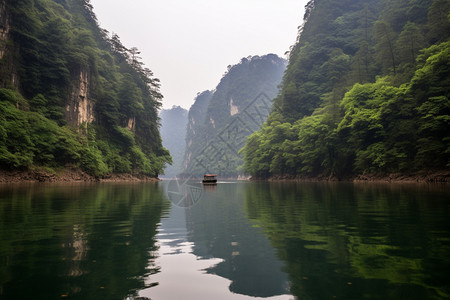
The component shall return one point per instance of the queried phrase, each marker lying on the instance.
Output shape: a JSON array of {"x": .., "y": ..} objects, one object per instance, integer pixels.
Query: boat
[{"x": 209, "y": 179}]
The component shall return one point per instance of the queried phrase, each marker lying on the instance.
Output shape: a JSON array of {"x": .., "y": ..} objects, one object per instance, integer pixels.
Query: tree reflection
[
  {"x": 79, "y": 241},
  {"x": 357, "y": 241}
]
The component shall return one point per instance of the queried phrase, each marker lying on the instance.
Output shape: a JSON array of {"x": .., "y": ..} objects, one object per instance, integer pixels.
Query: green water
[{"x": 234, "y": 241}]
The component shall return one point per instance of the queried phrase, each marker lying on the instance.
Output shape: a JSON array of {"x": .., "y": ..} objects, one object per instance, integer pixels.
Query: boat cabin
[{"x": 210, "y": 179}]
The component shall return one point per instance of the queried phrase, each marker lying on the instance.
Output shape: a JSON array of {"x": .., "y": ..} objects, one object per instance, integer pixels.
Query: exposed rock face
[
  {"x": 196, "y": 118},
  {"x": 234, "y": 109},
  {"x": 131, "y": 123},
  {"x": 4, "y": 28},
  {"x": 79, "y": 108},
  {"x": 7, "y": 68}
]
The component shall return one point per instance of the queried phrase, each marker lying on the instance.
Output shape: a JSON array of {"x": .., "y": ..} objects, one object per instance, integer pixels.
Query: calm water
[{"x": 236, "y": 241}]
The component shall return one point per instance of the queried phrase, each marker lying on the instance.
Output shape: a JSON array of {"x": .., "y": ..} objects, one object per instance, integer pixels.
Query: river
[{"x": 236, "y": 240}]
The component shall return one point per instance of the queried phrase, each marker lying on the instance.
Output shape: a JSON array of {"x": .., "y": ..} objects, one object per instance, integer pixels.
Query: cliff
[
  {"x": 71, "y": 95},
  {"x": 220, "y": 121},
  {"x": 8, "y": 71},
  {"x": 194, "y": 130},
  {"x": 4, "y": 28},
  {"x": 79, "y": 107}
]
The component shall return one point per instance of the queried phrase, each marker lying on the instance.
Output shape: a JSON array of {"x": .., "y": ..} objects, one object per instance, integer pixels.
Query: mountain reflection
[
  {"x": 219, "y": 228},
  {"x": 239, "y": 241}
]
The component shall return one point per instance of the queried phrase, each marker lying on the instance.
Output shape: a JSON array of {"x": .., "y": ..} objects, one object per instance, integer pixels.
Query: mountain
[
  {"x": 196, "y": 125},
  {"x": 72, "y": 95},
  {"x": 366, "y": 91},
  {"x": 173, "y": 133},
  {"x": 220, "y": 121}
]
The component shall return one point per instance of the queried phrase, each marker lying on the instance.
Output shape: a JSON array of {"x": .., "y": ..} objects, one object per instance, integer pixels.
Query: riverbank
[
  {"x": 442, "y": 176},
  {"x": 76, "y": 175},
  {"x": 67, "y": 175}
]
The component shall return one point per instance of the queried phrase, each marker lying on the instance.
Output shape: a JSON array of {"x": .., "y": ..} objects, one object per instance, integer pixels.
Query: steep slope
[
  {"x": 238, "y": 106},
  {"x": 366, "y": 91},
  {"x": 196, "y": 125},
  {"x": 173, "y": 133},
  {"x": 72, "y": 95}
]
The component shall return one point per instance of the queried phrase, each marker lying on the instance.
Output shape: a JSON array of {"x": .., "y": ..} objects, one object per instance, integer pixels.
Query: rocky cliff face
[
  {"x": 79, "y": 108},
  {"x": 72, "y": 73},
  {"x": 196, "y": 118},
  {"x": 4, "y": 28},
  {"x": 234, "y": 109},
  {"x": 7, "y": 69},
  {"x": 131, "y": 125}
]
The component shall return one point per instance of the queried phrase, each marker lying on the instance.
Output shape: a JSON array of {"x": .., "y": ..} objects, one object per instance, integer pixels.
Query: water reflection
[
  {"x": 357, "y": 241},
  {"x": 80, "y": 247},
  {"x": 77, "y": 241},
  {"x": 239, "y": 241},
  {"x": 211, "y": 251}
]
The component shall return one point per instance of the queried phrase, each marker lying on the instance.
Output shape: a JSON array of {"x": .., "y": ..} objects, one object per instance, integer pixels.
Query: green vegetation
[
  {"x": 29, "y": 138},
  {"x": 366, "y": 91},
  {"x": 56, "y": 59},
  {"x": 220, "y": 121}
]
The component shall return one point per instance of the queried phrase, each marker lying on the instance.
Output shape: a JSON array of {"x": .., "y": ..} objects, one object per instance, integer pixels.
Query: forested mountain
[
  {"x": 173, "y": 133},
  {"x": 220, "y": 121},
  {"x": 366, "y": 90},
  {"x": 196, "y": 125},
  {"x": 72, "y": 95}
]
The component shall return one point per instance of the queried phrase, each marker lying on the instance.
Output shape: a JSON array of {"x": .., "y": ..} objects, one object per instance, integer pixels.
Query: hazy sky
[{"x": 188, "y": 44}]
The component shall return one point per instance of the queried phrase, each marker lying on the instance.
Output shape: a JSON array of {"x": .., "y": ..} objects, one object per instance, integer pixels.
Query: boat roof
[{"x": 210, "y": 175}]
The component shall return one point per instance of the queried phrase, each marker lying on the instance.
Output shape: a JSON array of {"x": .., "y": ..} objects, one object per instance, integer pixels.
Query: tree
[
  {"x": 408, "y": 44},
  {"x": 439, "y": 21},
  {"x": 360, "y": 64},
  {"x": 117, "y": 46},
  {"x": 385, "y": 37}
]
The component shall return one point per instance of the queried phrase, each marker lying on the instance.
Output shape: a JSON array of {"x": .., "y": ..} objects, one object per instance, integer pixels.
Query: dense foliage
[
  {"x": 366, "y": 91},
  {"x": 173, "y": 133},
  {"x": 49, "y": 44},
  {"x": 220, "y": 121}
]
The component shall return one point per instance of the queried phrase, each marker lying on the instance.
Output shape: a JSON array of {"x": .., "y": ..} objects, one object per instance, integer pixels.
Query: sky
[{"x": 188, "y": 44}]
